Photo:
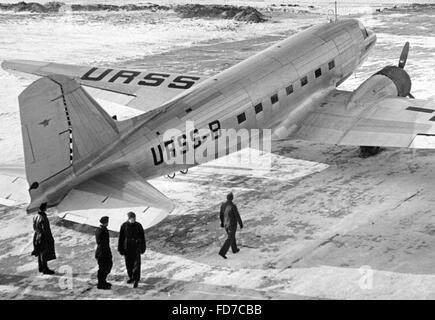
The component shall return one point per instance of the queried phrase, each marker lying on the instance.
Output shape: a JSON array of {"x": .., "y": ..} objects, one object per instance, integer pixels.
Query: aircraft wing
[
  {"x": 388, "y": 122},
  {"x": 114, "y": 194},
  {"x": 138, "y": 89}
]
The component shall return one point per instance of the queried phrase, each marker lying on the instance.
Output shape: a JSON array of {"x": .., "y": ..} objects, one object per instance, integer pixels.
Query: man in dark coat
[
  {"x": 230, "y": 217},
  {"x": 103, "y": 254},
  {"x": 131, "y": 245},
  {"x": 43, "y": 241}
]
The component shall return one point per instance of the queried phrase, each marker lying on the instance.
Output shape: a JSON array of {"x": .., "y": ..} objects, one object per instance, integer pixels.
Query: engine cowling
[{"x": 390, "y": 81}]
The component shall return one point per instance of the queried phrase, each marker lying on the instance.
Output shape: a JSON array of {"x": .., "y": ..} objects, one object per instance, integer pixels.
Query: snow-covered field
[{"x": 324, "y": 223}]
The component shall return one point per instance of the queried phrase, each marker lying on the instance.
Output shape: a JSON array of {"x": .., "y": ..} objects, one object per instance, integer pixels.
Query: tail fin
[{"x": 62, "y": 127}]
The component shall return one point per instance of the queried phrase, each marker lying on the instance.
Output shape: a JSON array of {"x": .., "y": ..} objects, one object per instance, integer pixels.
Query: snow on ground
[
  {"x": 316, "y": 236},
  {"x": 323, "y": 223}
]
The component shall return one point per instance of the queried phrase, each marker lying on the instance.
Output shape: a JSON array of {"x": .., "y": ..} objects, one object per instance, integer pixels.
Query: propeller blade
[{"x": 404, "y": 55}]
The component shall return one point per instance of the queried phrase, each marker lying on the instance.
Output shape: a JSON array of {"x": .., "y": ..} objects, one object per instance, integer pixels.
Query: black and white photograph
[{"x": 232, "y": 150}]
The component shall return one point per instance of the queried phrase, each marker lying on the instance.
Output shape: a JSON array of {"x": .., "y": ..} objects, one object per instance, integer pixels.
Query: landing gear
[{"x": 365, "y": 151}]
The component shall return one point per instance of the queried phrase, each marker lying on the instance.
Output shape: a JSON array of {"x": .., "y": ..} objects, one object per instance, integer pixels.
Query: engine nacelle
[{"x": 390, "y": 81}]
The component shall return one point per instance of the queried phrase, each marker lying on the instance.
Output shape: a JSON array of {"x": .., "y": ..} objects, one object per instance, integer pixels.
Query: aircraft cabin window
[
  {"x": 241, "y": 118},
  {"x": 304, "y": 81},
  {"x": 274, "y": 98},
  {"x": 331, "y": 64},
  {"x": 188, "y": 110},
  {"x": 258, "y": 108},
  {"x": 318, "y": 73},
  {"x": 289, "y": 89}
]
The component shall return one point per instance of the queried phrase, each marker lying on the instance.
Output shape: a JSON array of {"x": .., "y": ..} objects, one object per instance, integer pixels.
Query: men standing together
[
  {"x": 131, "y": 245},
  {"x": 230, "y": 217}
]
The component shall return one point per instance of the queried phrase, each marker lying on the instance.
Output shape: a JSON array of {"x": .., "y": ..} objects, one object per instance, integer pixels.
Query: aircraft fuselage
[{"x": 273, "y": 89}]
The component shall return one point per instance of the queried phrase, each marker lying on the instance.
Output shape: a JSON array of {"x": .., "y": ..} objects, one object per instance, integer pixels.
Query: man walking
[
  {"x": 131, "y": 245},
  {"x": 230, "y": 217},
  {"x": 43, "y": 241},
  {"x": 103, "y": 254}
]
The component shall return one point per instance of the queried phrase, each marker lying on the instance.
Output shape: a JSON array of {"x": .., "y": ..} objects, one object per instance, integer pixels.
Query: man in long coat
[
  {"x": 103, "y": 254},
  {"x": 43, "y": 241},
  {"x": 131, "y": 244}
]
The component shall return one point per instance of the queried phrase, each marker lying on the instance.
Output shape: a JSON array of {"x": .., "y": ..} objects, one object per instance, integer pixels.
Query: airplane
[{"x": 77, "y": 157}]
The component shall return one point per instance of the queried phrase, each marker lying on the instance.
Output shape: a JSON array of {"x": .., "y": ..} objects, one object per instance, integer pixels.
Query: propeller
[
  {"x": 402, "y": 61},
  {"x": 404, "y": 55}
]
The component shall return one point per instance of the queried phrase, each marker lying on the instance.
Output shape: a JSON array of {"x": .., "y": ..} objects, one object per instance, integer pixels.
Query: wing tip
[{"x": 26, "y": 66}]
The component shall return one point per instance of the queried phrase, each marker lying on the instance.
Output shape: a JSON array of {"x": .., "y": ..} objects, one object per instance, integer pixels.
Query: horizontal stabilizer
[
  {"x": 13, "y": 186},
  {"x": 114, "y": 194},
  {"x": 13, "y": 171},
  {"x": 139, "y": 89}
]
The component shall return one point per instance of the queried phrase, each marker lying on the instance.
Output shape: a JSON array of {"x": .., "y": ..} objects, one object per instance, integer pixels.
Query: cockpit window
[
  {"x": 365, "y": 33},
  {"x": 363, "y": 30}
]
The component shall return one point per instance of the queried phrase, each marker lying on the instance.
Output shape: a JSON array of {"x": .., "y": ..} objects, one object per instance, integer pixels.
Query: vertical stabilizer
[{"x": 62, "y": 127}]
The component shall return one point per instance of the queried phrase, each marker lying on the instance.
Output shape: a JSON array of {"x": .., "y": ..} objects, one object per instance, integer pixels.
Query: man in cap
[
  {"x": 103, "y": 254},
  {"x": 43, "y": 241},
  {"x": 131, "y": 244},
  {"x": 230, "y": 217}
]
